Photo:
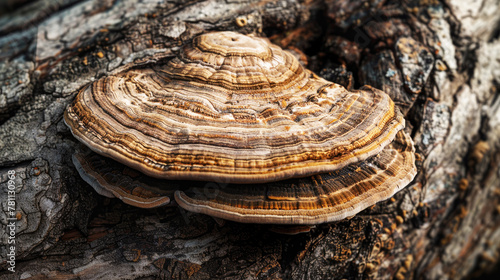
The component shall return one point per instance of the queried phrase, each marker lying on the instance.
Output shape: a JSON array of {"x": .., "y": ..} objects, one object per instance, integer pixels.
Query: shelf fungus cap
[
  {"x": 235, "y": 109},
  {"x": 312, "y": 200}
]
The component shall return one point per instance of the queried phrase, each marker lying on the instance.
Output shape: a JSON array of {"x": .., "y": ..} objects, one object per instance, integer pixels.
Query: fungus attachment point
[{"x": 237, "y": 109}]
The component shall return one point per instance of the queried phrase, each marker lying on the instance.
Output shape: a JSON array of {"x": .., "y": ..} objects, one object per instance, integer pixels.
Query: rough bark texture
[{"x": 439, "y": 60}]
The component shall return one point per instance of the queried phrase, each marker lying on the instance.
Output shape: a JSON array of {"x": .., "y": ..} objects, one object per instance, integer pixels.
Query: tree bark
[{"x": 439, "y": 61}]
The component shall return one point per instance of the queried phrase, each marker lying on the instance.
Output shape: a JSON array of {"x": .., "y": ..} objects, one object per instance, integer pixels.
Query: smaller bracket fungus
[
  {"x": 289, "y": 146},
  {"x": 112, "y": 179}
]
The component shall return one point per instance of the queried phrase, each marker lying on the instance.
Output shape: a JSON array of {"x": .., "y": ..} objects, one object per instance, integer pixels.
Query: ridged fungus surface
[{"x": 285, "y": 145}]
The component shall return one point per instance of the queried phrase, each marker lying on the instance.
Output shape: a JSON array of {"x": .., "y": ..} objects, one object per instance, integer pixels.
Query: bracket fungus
[{"x": 286, "y": 146}]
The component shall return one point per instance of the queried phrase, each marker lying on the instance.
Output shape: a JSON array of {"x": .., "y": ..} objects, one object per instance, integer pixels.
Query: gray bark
[{"x": 439, "y": 60}]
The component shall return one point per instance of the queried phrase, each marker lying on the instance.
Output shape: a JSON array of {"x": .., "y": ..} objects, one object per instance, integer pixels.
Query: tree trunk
[{"x": 439, "y": 61}]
